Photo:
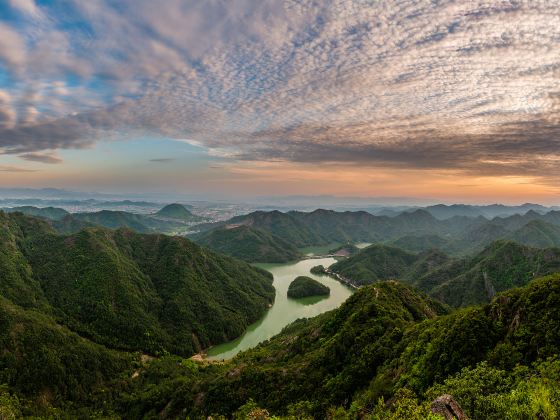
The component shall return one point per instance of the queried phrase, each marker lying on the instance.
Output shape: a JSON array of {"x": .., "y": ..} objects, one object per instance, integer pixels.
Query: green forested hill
[
  {"x": 249, "y": 244},
  {"x": 303, "y": 286},
  {"x": 281, "y": 225},
  {"x": 70, "y": 224},
  {"x": 532, "y": 229},
  {"x": 455, "y": 281},
  {"x": 118, "y": 219},
  {"x": 169, "y": 219},
  {"x": 376, "y": 262},
  {"x": 414, "y": 231},
  {"x": 385, "y": 354},
  {"x": 77, "y": 311},
  {"x": 502, "y": 265},
  {"x": 537, "y": 233},
  {"x": 72, "y": 306},
  {"x": 420, "y": 243},
  {"x": 151, "y": 293},
  {"x": 49, "y": 364},
  {"x": 361, "y": 226},
  {"x": 323, "y": 227},
  {"x": 177, "y": 212},
  {"x": 442, "y": 211},
  {"x": 17, "y": 281},
  {"x": 52, "y": 213}
]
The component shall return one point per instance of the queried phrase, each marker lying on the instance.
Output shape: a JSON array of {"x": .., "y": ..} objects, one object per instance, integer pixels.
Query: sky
[{"x": 457, "y": 101}]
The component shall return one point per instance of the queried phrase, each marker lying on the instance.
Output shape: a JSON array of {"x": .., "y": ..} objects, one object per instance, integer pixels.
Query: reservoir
[{"x": 285, "y": 310}]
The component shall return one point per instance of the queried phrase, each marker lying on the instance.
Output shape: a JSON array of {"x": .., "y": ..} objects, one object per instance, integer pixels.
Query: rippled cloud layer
[{"x": 471, "y": 86}]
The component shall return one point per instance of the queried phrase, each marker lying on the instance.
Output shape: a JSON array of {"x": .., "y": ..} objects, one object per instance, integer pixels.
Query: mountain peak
[{"x": 175, "y": 211}]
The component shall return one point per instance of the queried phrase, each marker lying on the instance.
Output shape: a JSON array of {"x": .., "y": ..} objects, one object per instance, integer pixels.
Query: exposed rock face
[{"x": 447, "y": 407}]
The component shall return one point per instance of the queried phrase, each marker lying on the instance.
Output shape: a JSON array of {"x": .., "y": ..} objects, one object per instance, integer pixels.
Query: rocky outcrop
[{"x": 447, "y": 407}]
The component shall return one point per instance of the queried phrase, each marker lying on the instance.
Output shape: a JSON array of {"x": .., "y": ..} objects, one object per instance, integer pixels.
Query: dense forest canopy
[
  {"x": 303, "y": 286},
  {"x": 102, "y": 323}
]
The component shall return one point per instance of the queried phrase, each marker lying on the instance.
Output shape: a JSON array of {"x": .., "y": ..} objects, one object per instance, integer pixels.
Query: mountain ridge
[
  {"x": 456, "y": 281},
  {"x": 132, "y": 291}
]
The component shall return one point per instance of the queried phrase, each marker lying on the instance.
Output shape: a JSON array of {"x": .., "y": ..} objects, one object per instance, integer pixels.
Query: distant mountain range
[
  {"x": 51, "y": 213},
  {"x": 172, "y": 218},
  {"x": 442, "y": 211},
  {"x": 414, "y": 231},
  {"x": 275, "y": 236},
  {"x": 248, "y": 244}
]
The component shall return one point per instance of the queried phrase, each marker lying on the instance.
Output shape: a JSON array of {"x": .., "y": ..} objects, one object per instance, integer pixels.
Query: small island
[
  {"x": 303, "y": 286},
  {"x": 317, "y": 270}
]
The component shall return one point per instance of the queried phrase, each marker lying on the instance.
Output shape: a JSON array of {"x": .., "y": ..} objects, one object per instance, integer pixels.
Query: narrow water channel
[{"x": 285, "y": 310}]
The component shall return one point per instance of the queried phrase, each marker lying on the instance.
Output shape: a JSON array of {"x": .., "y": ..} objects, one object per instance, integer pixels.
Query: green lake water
[{"x": 285, "y": 310}]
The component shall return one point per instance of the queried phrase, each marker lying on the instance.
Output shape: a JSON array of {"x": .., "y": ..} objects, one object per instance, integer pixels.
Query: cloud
[
  {"x": 464, "y": 86},
  {"x": 522, "y": 148},
  {"x": 15, "y": 169},
  {"x": 7, "y": 114},
  {"x": 12, "y": 47},
  {"x": 42, "y": 158},
  {"x": 56, "y": 134},
  {"x": 27, "y": 7},
  {"x": 162, "y": 160}
]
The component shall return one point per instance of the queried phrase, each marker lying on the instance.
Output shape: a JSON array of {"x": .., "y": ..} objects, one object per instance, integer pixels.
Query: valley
[
  {"x": 193, "y": 325},
  {"x": 279, "y": 210},
  {"x": 284, "y": 311}
]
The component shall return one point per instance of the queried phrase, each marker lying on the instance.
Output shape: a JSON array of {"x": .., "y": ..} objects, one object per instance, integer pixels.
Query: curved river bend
[{"x": 285, "y": 311}]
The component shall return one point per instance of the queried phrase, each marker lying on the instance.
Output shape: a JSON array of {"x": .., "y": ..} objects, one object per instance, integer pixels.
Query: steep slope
[
  {"x": 388, "y": 341},
  {"x": 456, "y": 281},
  {"x": 502, "y": 265},
  {"x": 281, "y": 225},
  {"x": 16, "y": 274},
  {"x": 126, "y": 290},
  {"x": 48, "y": 364},
  {"x": 537, "y": 233},
  {"x": 518, "y": 326},
  {"x": 420, "y": 243},
  {"x": 376, "y": 262},
  {"x": 70, "y": 224},
  {"x": 249, "y": 244},
  {"x": 326, "y": 358},
  {"x": 153, "y": 293}
]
